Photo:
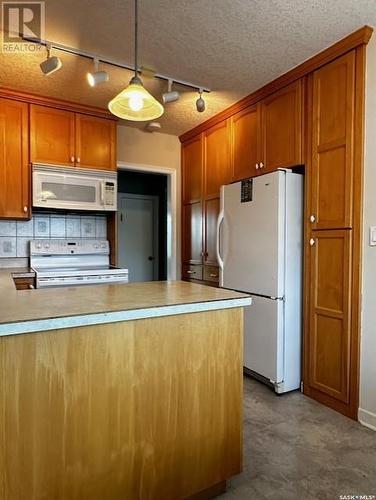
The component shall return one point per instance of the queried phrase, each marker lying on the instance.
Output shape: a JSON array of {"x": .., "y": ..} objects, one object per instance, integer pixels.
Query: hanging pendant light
[{"x": 134, "y": 102}]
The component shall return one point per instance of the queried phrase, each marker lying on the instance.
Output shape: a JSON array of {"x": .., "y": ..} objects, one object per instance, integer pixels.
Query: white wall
[
  {"x": 138, "y": 148},
  {"x": 367, "y": 411}
]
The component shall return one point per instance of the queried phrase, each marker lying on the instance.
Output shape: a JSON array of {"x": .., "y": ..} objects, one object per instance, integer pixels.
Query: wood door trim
[
  {"x": 55, "y": 103},
  {"x": 350, "y": 42},
  {"x": 356, "y": 298}
]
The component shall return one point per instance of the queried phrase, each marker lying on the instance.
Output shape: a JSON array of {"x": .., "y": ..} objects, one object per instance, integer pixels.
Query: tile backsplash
[{"x": 15, "y": 235}]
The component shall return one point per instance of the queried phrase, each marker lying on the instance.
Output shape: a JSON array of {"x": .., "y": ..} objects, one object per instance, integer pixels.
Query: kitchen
[{"x": 257, "y": 167}]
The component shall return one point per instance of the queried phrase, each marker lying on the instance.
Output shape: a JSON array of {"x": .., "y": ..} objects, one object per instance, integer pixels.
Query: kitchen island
[{"x": 119, "y": 391}]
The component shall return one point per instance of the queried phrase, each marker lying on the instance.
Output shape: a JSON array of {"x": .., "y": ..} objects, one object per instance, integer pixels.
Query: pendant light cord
[{"x": 135, "y": 38}]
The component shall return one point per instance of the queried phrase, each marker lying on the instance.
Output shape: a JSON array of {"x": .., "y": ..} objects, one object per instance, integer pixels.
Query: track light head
[
  {"x": 170, "y": 95},
  {"x": 51, "y": 64},
  {"x": 200, "y": 103},
  {"x": 97, "y": 77}
]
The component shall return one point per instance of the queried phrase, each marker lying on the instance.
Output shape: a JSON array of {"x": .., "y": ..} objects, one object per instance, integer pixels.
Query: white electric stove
[{"x": 73, "y": 262}]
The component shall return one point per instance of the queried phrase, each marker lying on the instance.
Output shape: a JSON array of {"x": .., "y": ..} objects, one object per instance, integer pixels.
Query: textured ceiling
[{"x": 231, "y": 46}]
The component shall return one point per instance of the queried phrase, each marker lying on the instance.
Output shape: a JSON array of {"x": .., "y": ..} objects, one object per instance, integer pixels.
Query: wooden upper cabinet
[
  {"x": 52, "y": 135},
  {"x": 282, "y": 128},
  {"x": 332, "y": 107},
  {"x": 245, "y": 139},
  {"x": 217, "y": 157},
  {"x": 329, "y": 314},
  {"x": 95, "y": 142},
  {"x": 14, "y": 160},
  {"x": 211, "y": 212},
  {"x": 192, "y": 233},
  {"x": 192, "y": 170}
]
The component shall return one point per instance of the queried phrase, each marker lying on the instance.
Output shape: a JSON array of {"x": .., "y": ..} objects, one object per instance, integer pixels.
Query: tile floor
[{"x": 297, "y": 449}]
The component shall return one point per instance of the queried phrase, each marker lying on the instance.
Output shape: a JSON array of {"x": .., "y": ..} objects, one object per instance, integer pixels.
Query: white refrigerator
[{"x": 259, "y": 249}]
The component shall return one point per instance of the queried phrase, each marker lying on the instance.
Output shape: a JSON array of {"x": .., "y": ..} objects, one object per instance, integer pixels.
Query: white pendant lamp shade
[{"x": 135, "y": 103}]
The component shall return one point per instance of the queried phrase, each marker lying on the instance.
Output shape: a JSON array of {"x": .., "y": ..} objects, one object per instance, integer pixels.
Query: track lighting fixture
[
  {"x": 170, "y": 95},
  {"x": 135, "y": 102},
  {"x": 51, "y": 64},
  {"x": 200, "y": 103},
  {"x": 97, "y": 77}
]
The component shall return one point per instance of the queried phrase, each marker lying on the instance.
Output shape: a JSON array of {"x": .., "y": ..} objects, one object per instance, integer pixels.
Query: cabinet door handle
[
  {"x": 78, "y": 159},
  {"x": 25, "y": 209},
  {"x": 312, "y": 218},
  {"x": 213, "y": 275},
  {"x": 261, "y": 165},
  {"x": 191, "y": 272},
  {"x": 72, "y": 159},
  {"x": 257, "y": 166},
  {"x": 312, "y": 241}
]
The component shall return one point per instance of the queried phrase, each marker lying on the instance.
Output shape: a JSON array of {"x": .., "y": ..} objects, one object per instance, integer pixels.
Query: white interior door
[
  {"x": 138, "y": 236},
  {"x": 264, "y": 338}
]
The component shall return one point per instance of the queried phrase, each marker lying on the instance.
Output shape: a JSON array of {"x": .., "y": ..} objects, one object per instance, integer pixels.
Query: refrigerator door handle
[{"x": 219, "y": 223}]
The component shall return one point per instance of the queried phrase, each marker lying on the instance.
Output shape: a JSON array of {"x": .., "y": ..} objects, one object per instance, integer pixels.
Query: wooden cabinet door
[
  {"x": 211, "y": 212},
  {"x": 192, "y": 233},
  {"x": 192, "y": 175},
  {"x": 52, "y": 136},
  {"x": 95, "y": 142},
  {"x": 328, "y": 363},
  {"x": 217, "y": 158},
  {"x": 245, "y": 139},
  {"x": 332, "y": 110},
  {"x": 282, "y": 128},
  {"x": 14, "y": 160}
]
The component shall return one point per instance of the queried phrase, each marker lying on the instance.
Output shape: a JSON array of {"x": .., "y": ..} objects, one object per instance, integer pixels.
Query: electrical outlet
[{"x": 372, "y": 236}]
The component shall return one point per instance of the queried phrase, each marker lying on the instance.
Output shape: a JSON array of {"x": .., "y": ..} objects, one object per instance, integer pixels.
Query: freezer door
[
  {"x": 253, "y": 236},
  {"x": 264, "y": 338}
]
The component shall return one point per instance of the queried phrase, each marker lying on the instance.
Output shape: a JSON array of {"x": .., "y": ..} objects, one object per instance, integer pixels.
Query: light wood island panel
[{"x": 148, "y": 409}]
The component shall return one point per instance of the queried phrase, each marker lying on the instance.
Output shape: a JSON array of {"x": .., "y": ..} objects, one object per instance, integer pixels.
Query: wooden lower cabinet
[
  {"x": 14, "y": 160},
  {"x": 136, "y": 410},
  {"x": 192, "y": 252},
  {"x": 192, "y": 272},
  {"x": 329, "y": 316},
  {"x": 211, "y": 273}
]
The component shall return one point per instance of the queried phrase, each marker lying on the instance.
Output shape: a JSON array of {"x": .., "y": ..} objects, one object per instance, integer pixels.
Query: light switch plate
[{"x": 372, "y": 236}]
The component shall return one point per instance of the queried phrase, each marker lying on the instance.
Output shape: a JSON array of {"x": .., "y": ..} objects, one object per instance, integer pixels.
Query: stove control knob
[
  {"x": 46, "y": 245},
  {"x": 103, "y": 245},
  {"x": 39, "y": 245},
  {"x": 96, "y": 245}
]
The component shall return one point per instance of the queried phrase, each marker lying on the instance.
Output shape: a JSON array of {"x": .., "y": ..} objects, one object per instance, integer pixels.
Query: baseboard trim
[{"x": 367, "y": 418}]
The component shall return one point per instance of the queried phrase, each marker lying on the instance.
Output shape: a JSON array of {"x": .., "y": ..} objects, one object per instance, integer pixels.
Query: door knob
[
  {"x": 25, "y": 209},
  {"x": 312, "y": 218},
  {"x": 312, "y": 241},
  {"x": 150, "y": 257}
]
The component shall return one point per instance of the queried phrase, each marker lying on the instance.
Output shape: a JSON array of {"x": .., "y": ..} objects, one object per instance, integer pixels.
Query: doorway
[{"x": 142, "y": 225}]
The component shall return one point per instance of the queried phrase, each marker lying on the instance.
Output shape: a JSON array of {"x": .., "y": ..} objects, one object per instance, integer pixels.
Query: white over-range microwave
[{"x": 74, "y": 188}]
